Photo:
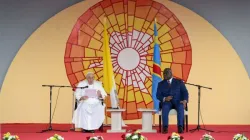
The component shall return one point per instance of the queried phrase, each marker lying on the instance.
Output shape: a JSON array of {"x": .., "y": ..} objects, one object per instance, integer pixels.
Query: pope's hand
[
  {"x": 99, "y": 93},
  {"x": 84, "y": 98}
]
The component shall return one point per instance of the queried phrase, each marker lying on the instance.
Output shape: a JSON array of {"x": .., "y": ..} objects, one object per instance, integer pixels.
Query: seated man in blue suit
[{"x": 173, "y": 94}]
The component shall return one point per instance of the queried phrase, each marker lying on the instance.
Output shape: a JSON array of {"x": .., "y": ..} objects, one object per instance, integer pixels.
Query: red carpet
[{"x": 29, "y": 132}]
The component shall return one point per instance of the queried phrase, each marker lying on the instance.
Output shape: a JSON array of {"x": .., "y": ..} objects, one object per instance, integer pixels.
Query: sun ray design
[{"x": 130, "y": 29}]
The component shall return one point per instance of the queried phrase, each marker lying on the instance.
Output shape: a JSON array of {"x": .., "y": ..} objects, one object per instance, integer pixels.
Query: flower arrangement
[
  {"x": 207, "y": 137},
  {"x": 95, "y": 138},
  {"x": 8, "y": 136},
  {"x": 56, "y": 137},
  {"x": 134, "y": 136},
  {"x": 240, "y": 137},
  {"x": 175, "y": 136}
]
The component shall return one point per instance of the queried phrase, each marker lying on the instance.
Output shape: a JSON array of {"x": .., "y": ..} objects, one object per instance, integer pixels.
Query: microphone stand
[
  {"x": 74, "y": 102},
  {"x": 199, "y": 98},
  {"x": 50, "y": 106}
]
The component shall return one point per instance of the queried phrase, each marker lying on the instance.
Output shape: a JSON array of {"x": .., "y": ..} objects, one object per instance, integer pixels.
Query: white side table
[
  {"x": 116, "y": 121},
  {"x": 147, "y": 120}
]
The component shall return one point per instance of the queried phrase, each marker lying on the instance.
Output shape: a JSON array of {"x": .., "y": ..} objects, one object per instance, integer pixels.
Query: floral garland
[
  {"x": 207, "y": 137},
  {"x": 240, "y": 137},
  {"x": 175, "y": 136},
  {"x": 134, "y": 136},
  {"x": 8, "y": 136},
  {"x": 56, "y": 137},
  {"x": 95, "y": 138}
]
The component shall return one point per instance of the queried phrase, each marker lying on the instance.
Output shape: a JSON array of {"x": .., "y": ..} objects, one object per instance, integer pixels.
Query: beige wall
[{"x": 41, "y": 61}]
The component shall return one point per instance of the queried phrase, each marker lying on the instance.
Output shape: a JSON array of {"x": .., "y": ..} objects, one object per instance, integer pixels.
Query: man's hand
[
  {"x": 99, "y": 94},
  {"x": 169, "y": 98},
  {"x": 84, "y": 98},
  {"x": 184, "y": 102}
]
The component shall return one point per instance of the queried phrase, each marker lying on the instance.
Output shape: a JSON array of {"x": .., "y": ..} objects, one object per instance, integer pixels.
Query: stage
[{"x": 30, "y": 132}]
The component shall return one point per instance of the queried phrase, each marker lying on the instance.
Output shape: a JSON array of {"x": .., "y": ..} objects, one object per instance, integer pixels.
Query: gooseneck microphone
[
  {"x": 54, "y": 86},
  {"x": 82, "y": 87}
]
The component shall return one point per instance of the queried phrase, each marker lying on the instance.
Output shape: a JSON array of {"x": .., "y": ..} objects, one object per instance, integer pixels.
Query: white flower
[
  {"x": 134, "y": 137},
  {"x": 95, "y": 138},
  {"x": 11, "y": 137},
  {"x": 128, "y": 135},
  {"x": 207, "y": 136},
  {"x": 175, "y": 137},
  {"x": 60, "y": 138},
  {"x": 237, "y": 136}
]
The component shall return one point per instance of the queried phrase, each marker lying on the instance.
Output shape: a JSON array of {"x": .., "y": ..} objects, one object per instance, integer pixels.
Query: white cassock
[{"x": 89, "y": 114}]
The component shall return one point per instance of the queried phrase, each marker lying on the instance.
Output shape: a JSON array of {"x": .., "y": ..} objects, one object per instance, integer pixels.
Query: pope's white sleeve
[
  {"x": 104, "y": 94},
  {"x": 78, "y": 92}
]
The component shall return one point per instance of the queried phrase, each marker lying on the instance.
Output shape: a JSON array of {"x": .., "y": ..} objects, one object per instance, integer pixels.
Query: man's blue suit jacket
[{"x": 177, "y": 90}]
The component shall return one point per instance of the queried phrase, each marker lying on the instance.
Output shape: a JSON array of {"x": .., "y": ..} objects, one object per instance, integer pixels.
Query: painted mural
[{"x": 130, "y": 28}]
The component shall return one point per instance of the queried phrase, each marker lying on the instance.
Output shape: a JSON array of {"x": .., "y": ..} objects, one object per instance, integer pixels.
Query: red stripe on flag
[{"x": 156, "y": 69}]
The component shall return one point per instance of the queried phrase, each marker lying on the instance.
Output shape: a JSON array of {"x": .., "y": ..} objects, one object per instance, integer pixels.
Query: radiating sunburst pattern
[{"x": 130, "y": 28}]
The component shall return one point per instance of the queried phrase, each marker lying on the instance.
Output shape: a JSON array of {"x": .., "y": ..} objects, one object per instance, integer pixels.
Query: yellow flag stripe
[{"x": 107, "y": 63}]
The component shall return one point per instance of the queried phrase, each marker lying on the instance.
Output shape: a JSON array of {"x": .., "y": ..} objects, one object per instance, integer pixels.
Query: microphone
[
  {"x": 55, "y": 86},
  {"x": 83, "y": 87},
  {"x": 79, "y": 87}
]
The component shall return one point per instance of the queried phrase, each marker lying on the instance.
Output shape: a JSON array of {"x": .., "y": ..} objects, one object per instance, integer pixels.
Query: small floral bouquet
[
  {"x": 175, "y": 136},
  {"x": 56, "y": 137},
  {"x": 95, "y": 138},
  {"x": 207, "y": 137},
  {"x": 8, "y": 136},
  {"x": 134, "y": 136},
  {"x": 240, "y": 137}
]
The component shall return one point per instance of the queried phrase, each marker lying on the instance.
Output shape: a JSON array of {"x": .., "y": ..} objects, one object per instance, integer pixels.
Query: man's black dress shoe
[
  {"x": 180, "y": 129},
  {"x": 165, "y": 130}
]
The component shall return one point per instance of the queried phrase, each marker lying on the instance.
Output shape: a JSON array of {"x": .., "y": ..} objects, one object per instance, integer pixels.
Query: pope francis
[{"x": 89, "y": 114}]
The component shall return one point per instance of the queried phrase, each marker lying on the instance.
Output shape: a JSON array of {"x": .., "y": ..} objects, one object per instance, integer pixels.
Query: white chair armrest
[{"x": 173, "y": 112}]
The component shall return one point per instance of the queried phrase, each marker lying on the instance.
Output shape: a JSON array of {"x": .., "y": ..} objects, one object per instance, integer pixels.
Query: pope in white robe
[{"x": 90, "y": 112}]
